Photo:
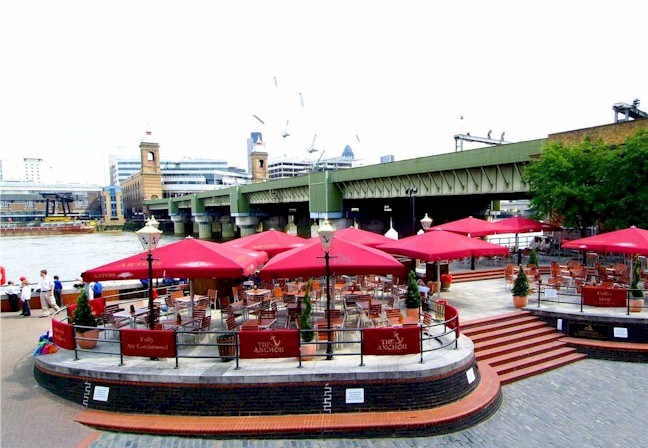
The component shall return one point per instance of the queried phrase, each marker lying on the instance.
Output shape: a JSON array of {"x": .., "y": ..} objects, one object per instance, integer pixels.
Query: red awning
[
  {"x": 188, "y": 258},
  {"x": 438, "y": 245},
  {"x": 632, "y": 241},
  {"x": 519, "y": 224},
  {"x": 271, "y": 242},
  {"x": 360, "y": 236},
  {"x": 470, "y": 226},
  {"x": 345, "y": 258}
]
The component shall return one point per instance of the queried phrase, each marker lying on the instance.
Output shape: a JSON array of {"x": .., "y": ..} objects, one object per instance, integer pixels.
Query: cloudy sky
[{"x": 84, "y": 79}]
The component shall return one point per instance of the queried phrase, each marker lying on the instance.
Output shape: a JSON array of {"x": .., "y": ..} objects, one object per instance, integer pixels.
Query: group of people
[
  {"x": 50, "y": 294},
  {"x": 49, "y": 288}
]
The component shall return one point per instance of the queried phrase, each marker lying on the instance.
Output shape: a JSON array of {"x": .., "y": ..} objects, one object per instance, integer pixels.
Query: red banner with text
[
  {"x": 63, "y": 334},
  {"x": 151, "y": 343},
  {"x": 595, "y": 296},
  {"x": 392, "y": 341},
  {"x": 269, "y": 344}
]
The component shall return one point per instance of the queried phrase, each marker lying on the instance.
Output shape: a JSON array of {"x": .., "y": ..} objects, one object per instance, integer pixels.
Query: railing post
[
  {"x": 121, "y": 354},
  {"x": 421, "y": 343},
  {"x": 236, "y": 341},
  {"x": 539, "y": 291},
  {"x": 362, "y": 348},
  {"x": 628, "y": 301}
]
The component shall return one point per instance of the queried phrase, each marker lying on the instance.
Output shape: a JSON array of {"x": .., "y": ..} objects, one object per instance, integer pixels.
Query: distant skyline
[{"x": 85, "y": 79}]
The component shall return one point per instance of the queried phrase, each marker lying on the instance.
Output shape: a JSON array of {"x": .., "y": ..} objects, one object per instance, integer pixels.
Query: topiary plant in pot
[
  {"x": 521, "y": 289},
  {"x": 533, "y": 258},
  {"x": 413, "y": 297},
  {"x": 306, "y": 327},
  {"x": 83, "y": 317},
  {"x": 636, "y": 295}
]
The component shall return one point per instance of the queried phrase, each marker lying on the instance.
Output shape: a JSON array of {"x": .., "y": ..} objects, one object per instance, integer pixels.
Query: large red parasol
[
  {"x": 632, "y": 241},
  {"x": 519, "y": 224},
  {"x": 471, "y": 227},
  {"x": 360, "y": 236},
  {"x": 346, "y": 258},
  {"x": 271, "y": 242},
  {"x": 438, "y": 245},
  {"x": 188, "y": 258}
]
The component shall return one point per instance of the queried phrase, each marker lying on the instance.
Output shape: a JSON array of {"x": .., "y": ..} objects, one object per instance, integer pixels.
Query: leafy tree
[
  {"x": 627, "y": 184},
  {"x": 307, "y": 333},
  {"x": 589, "y": 183},
  {"x": 83, "y": 313},
  {"x": 521, "y": 286}
]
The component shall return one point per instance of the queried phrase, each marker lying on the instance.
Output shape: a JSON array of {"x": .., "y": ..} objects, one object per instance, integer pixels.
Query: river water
[{"x": 67, "y": 255}]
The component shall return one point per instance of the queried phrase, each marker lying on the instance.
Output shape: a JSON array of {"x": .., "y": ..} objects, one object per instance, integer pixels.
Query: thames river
[{"x": 67, "y": 255}]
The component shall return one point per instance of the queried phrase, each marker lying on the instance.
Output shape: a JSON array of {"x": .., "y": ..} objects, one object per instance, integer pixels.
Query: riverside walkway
[{"x": 591, "y": 403}]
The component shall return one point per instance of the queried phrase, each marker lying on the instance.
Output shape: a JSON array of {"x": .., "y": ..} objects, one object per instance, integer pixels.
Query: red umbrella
[
  {"x": 438, "y": 245},
  {"x": 519, "y": 224},
  {"x": 189, "y": 258},
  {"x": 632, "y": 241},
  {"x": 472, "y": 227},
  {"x": 271, "y": 242},
  {"x": 360, "y": 236},
  {"x": 346, "y": 258}
]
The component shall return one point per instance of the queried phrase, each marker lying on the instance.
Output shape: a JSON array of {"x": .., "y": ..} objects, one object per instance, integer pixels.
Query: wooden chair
[
  {"x": 112, "y": 323},
  {"x": 202, "y": 328},
  {"x": 509, "y": 278},
  {"x": 212, "y": 294}
]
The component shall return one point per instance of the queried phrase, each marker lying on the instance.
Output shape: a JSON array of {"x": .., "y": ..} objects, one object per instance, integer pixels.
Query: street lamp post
[
  {"x": 149, "y": 236},
  {"x": 326, "y": 233},
  {"x": 411, "y": 191}
]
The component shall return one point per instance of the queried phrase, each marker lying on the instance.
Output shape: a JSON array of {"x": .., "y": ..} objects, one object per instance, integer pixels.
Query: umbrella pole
[
  {"x": 517, "y": 250},
  {"x": 438, "y": 280},
  {"x": 191, "y": 294}
]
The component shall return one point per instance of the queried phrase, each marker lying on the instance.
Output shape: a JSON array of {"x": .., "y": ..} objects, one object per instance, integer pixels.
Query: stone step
[
  {"x": 508, "y": 332},
  {"x": 472, "y": 331},
  {"x": 515, "y": 375},
  {"x": 493, "y": 319},
  {"x": 484, "y": 354},
  {"x": 515, "y": 337},
  {"x": 532, "y": 355}
]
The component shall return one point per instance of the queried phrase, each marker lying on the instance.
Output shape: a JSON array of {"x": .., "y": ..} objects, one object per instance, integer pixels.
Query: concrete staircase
[
  {"x": 518, "y": 345},
  {"x": 487, "y": 274}
]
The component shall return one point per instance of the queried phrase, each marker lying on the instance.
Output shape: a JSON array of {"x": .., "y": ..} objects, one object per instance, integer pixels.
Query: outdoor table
[
  {"x": 172, "y": 324},
  {"x": 242, "y": 305},
  {"x": 262, "y": 324},
  {"x": 258, "y": 294},
  {"x": 402, "y": 321},
  {"x": 139, "y": 312}
]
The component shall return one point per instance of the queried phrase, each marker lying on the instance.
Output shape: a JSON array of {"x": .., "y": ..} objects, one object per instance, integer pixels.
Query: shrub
[
  {"x": 307, "y": 333},
  {"x": 521, "y": 285},
  {"x": 83, "y": 312},
  {"x": 413, "y": 297}
]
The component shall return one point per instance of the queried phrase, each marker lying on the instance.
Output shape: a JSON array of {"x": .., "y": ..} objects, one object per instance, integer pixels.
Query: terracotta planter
[
  {"x": 636, "y": 305},
  {"x": 445, "y": 286},
  {"x": 412, "y": 312},
  {"x": 520, "y": 301},
  {"x": 308, "y": 351},
  {"x": 94, "y": 334}
]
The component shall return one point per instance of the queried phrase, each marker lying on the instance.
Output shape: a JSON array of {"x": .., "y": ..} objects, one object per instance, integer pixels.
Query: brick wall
[
  {"x": 613, "y": 133},
  {"x": 265, "y": 398}
]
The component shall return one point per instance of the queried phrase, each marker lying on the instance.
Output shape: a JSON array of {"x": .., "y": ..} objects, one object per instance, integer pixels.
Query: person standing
[
  {"x": 58, "y": 287},
  {"x": 46, "y": 286},
  {"x": 25, "y": 296},
  {"x": 12, "y": 292},
  {"x": 97, "y": 289}
]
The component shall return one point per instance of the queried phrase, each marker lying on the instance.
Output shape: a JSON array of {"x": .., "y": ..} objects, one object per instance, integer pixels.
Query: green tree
[
  {"x": 413, "y": 297},
  {"x": 307, "y": 333},
  {"x": 627, "y": 184},
  {"x": 83, "y": 313},
  {"x": 564, "y": 183}
]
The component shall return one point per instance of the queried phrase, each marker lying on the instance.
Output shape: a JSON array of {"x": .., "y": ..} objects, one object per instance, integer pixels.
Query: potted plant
[
  {"x": 446, "y": 281},
  {"x": 520, "y": 289},
  {"x": 636, "y": 295},
  {"x": 533, "y": 259},
  {"x": 306, "y": 327},
  {"x": 413, "y": 296},
  {"x": 83, "y": 317}
]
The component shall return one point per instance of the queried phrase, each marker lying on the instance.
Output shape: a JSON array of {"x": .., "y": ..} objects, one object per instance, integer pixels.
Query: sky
[{"x": 85, "y": 79}]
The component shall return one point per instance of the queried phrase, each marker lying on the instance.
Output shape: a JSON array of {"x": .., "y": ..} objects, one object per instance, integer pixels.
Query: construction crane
[
  {"x": 285, "y": 132},
  {"x": 311, "y": 148}
]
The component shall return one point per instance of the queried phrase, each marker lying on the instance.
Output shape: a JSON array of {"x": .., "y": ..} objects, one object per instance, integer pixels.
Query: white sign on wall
[
  {"x": 354, "y": 396},
  {"x": 620, "y": 332},
  {"x": 101, "y": 393}
]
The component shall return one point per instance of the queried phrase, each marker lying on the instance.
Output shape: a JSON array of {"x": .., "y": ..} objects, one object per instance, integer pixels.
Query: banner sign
[
  {"x": 392, "y": 341},
  {"x": 596, "y": 296},
  {"x": 452, "y": 318},
  {"x": 269, "y": 344},
  {"x": 63, "y": 335},
  {"x": 97, "y": 306},
  {"x": 150, "y": 343}
]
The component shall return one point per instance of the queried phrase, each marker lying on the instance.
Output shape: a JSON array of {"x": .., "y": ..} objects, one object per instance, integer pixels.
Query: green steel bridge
[{"x": 445, "y": 186}]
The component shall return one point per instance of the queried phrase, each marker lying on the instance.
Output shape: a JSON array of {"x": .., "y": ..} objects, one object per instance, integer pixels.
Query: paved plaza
[{"x": 591, "y": 403}]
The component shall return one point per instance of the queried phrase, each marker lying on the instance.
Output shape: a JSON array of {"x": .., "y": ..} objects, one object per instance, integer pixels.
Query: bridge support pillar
[
  {"x": 204, "y": 226},
  {"x": 227, "y": 229},
  {"x": 178, "y": 224},
  {"x": 247, "y": 224}
]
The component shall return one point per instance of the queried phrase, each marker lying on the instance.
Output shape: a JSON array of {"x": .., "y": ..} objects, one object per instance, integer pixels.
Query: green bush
[
  {"x": 521, "y": 285},
  {"x": 635, "y": 292},
  {"x": 413, "y": 297},
  {"x": 533, "y": 258},
  {"x": 307, "y": 333},
  {"x": 83, "y": 313}
]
